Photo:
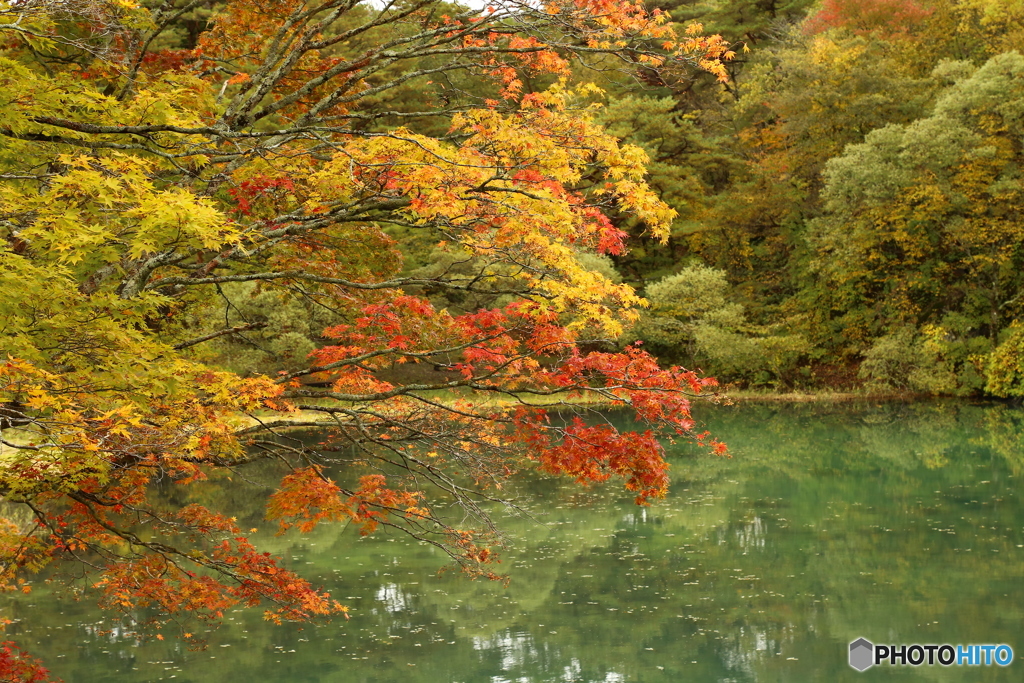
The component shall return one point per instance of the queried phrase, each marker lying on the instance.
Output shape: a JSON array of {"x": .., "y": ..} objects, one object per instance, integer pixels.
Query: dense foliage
[{"x": 856, "y": 188}]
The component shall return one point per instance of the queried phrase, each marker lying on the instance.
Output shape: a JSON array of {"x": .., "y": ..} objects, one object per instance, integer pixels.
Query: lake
[{"x": 899, "y": 523}]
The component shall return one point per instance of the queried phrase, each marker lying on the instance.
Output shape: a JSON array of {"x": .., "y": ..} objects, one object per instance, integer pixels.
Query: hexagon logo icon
[{"x": 862, "y": 654}]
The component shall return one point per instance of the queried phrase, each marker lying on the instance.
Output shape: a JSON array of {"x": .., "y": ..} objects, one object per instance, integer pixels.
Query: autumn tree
[{"x": 159, "y": 176}]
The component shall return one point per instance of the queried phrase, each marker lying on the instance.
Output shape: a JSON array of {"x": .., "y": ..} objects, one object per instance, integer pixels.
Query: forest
[
  {"x": 445, "y": 237},
  {"x": 848, "y": 200}
]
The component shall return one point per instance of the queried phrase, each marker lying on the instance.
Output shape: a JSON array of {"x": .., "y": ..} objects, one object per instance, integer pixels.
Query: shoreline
[{"x": 825, "y": 396}]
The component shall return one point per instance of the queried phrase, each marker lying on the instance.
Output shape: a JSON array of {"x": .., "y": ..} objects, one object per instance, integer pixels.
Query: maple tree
[{"x": 146, "y": 181}]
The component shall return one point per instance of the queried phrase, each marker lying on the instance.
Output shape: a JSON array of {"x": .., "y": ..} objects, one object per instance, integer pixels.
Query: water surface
[{"x": 898, "y": 523}]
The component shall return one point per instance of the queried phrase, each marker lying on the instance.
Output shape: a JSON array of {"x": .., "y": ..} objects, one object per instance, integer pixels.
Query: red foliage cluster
[
  {"x": 18, "y": 667},
  {"x": 160, "y": 61},
  {"x": 306, "y": 497},
  {"x": 882, "y": 18},
  {"x": 592, "y": 453},
  {"x": 260, "y": 187},
  {"x": 159, "y": 581}
]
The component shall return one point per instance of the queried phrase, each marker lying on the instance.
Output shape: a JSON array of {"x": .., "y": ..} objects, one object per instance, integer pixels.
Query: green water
[{"x": 898, "y": 523}]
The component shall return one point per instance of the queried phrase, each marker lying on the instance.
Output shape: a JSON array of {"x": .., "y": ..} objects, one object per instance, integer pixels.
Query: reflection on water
[{"x": 898, "y": 523}]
